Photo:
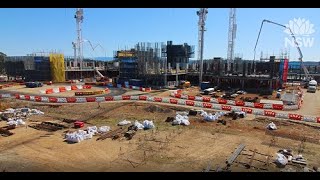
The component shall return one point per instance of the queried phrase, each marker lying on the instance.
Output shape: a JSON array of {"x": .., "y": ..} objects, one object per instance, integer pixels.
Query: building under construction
[
  {"x": 56, "y": 67},
  {"x": 252, "y": 76},
  {"x": 154, "y": 64}
]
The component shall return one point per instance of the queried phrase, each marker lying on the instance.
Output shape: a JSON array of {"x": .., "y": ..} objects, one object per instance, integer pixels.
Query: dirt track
[{"x": 311, "y": 104}]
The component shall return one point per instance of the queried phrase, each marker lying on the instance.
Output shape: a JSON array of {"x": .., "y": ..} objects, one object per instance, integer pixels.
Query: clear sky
[{"x": 27, "y": 30}]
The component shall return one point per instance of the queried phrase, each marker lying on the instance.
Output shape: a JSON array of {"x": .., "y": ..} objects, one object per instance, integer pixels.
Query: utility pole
[
  {"x": 202, "y": 13},
  {"x": 231, "y": 37}
]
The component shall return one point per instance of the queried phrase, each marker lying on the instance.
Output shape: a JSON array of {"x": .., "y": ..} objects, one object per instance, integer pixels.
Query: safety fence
[
  {"x": 134, "y": 87},
  {"x": 236, "y": 103},
  {"x": 191, "y": 103},
  {"x": 64, "y": 89}
]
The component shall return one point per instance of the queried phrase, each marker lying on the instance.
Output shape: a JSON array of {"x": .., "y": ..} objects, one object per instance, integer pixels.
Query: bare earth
[{"x": 165, "y": 148}]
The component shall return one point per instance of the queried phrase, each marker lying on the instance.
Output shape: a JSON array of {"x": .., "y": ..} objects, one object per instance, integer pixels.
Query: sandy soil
[
  {"x": 165, "y": 148},
  {"x": 311, "y": 104}
]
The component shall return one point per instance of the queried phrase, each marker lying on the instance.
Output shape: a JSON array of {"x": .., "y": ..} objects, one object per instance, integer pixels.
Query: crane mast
[
  {"x": 78, "y": 46},
  {"x": 202, "y": 13},
  {"x": 231, "y": 37},
  {"x": 306, "y": 72}
]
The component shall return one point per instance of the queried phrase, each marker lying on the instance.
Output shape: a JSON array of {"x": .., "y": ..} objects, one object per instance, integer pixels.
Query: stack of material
[
  {"x": 182, "y": 113},
  {"x": 124, "y": 122},
  {"x": 145, "y": 125},
  {"x": 103, "y": 129},
  {"x": 81, "y": 135},
  {"x": 15, "y": 114},
  {"x": 210, "y": 117},
  {"x": 181, "y": 120},
  {"x": 138, "y": 125},
  {"x": 78, "y": 136},
  {"x": 285, "y": 155},
  {"x": 148, "y": 124},
  {"x": 16, "y": 122}
]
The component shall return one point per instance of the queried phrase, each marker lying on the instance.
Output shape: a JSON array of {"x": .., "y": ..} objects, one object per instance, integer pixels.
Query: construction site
[{"x": 153, "y": 109}]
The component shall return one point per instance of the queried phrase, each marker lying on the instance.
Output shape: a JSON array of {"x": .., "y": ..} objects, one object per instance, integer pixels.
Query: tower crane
[
  {"x": 78, "y": 45},
  {"x": 231, "y": 37},
  {"x": 202, "y": 13},
  {"x": 306, "y": 72}
]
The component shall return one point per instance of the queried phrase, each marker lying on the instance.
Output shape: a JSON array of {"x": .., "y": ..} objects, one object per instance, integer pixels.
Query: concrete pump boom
[{"x": 306, "y": 72}]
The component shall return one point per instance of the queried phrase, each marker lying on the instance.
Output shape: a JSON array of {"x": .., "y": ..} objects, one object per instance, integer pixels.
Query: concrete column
[
  {"x": 177, "y": 71},
  {"x": 242, "y": 84},
  {"x": 187, "y": 67}
]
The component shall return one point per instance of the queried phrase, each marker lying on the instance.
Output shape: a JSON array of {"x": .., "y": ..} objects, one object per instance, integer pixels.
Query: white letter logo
[{"x": 302, "y": 29}]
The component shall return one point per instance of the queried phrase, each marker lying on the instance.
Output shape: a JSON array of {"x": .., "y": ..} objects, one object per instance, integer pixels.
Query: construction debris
[
  {"x": 112, "y": 134},
  {"x": 16, "y": 116},
  {"x": 129, "y": 134},
  {"x": 193, "y": 112},
  {"x": 22, "y": 112},
  {"x": 138, "y": 125},
  {"x": 16, "y": 122},
  {"x": 210, "y": 117},
  {"x": 299, "y": 160},
  {"x": 235, "y": 115},
  {"x": 169, "y": 119},
  {"x": 148, "y": 124},
  {"x": 281, "y": 160},
  {"x": 182, "y": 113},
  {"x": 284, "y": 156},
  {"x": 5, "y": 132},
  {"x": 124, "y": 122},
  {"x": 103, "y": 129},
  {"x": 48, "y": 126},
  {"x": 181, "y": 120},
  {"x": 224, "y": 122},
  {"x": 271, "y": 126},
  {"x": 69, "y": 120},
  {"x": 78, "y": 136},
  {"x": 235, "y": 154}
]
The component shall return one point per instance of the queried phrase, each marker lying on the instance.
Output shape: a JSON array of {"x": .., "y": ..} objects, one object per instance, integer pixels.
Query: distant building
[
  {"x": 128, "y": 65},
  {"x": 177, "y": 54}
]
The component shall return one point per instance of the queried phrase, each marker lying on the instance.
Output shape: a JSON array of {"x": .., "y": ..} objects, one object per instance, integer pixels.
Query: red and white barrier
[
  {"x": 226, "y": 107},
  {"x": 231, "y": 102},
  {"x": 236, "y": 103},
  {"x": 64, "y": 89}
]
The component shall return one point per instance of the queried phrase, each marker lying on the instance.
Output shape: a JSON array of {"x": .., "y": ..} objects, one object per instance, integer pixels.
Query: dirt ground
[
  {"x": 165, "y": 148},
  {"x": 311, "y": 105}
]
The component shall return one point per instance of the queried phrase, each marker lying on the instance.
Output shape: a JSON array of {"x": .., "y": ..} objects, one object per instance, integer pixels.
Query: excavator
[{"x": 308, "y": 79}]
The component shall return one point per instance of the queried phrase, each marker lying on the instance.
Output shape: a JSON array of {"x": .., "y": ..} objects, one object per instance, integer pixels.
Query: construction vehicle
[
  {"x": 184, "y": 84},
  {"x": 308, "y": 78},
  {"x": 33, "y": 84},
  {"x": 312, "y": 86}
]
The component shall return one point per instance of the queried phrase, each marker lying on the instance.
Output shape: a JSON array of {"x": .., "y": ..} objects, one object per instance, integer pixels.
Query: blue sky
[{"x": 27, "y": 30}]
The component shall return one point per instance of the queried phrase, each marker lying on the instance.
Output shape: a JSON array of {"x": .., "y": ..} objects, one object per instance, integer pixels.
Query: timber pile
[
  {"x": 115, "y": 134},
  {"x": 48, "y": 126},
  {"x": 120, "y": 132},
  {"x": 5, "y": 132}
]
